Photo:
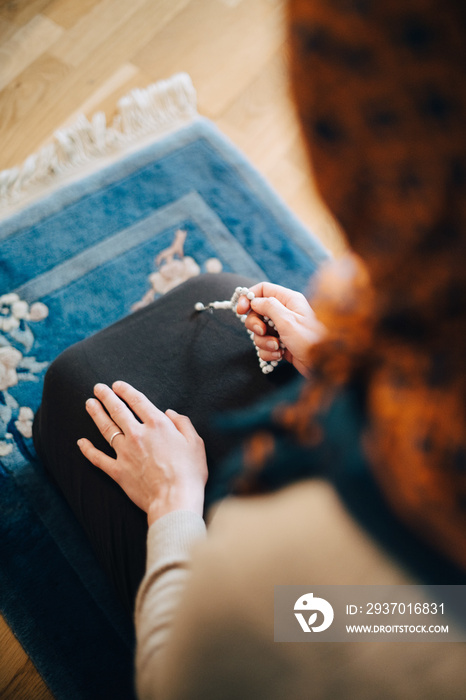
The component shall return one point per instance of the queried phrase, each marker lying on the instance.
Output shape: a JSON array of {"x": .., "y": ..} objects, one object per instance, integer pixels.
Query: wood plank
[
  {"x": 97, "y": 67},
  {"x": 66, "y": 13},
  {"x": 26, "y": 119},
  {"x": 105, "y": 97},
  {"x": 18, "y": 676},
  {"x": 114, "y": 30},
  {"x": 308, "y": 206},
  {"x": 94, "y": 29},
  {"x": 22, "y": 11},
  {"x": 223, "y": 48},
  {"x": 64, "y": 92},
  {"x": 25, "y": 46},
  {"x": 261, "y": 121},
  {"x": 7, "y": 29}
]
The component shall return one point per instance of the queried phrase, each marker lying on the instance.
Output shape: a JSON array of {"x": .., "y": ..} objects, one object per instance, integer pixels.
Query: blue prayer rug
[{"x": 71, "y": 264}]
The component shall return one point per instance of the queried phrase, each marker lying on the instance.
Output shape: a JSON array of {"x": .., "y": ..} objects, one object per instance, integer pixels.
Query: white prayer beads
[{"x": 232, "y": 304}]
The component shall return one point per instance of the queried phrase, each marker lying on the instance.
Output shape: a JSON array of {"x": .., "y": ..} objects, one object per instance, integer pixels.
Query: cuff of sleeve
[{"x": 172, "y": 536}]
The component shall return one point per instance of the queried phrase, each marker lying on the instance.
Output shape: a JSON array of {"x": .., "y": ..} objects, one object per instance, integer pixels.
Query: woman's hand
[
  {"x": 294, "y": 319},
  {"x": 160, "y": 462}
]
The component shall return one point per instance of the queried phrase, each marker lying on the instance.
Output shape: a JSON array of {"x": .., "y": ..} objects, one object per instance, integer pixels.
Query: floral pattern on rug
[
  {"x": 172, "y": 267},
  {"x": 17, "y": 365}
]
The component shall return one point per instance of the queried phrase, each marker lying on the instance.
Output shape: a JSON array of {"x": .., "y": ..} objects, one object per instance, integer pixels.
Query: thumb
[{"x": 243, "y": 305}]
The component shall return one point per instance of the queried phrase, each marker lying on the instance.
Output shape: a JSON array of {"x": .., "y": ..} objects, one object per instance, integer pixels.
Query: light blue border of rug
[
  {"x": 190, "y": 206},
  {"x": 197, "y": 129}
]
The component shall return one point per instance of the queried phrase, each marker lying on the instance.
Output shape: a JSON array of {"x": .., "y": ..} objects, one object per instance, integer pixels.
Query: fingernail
[
  {"x": 99, "y": 387},
  {"x": 258, "y": 330},
  {"x": 272, "y": 344},
  {"x": 80, "y": 442}
]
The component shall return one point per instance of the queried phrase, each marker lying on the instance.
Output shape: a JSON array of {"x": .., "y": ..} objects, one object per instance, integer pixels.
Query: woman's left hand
[{"x": 160, "y": 460}]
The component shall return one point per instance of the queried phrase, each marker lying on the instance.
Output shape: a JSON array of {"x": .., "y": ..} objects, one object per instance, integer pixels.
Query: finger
[
  {"x": 138, "y": 402},
  {"x": 256, "y": 324},
  {"x": 182, "y": 424},
  {"x": 295, "y": 301},
  {"x": 263, "y": 289},
  {"x": 243, "y": 305},
  {"x": 268, "y": 343},
  {"x": 117, "y": 409},
  {"x": 97, "y": 457},
  {"x": 101, "y": 418},
  {"x": 268, "y": 289},
  {"x": 270, "y": 356},
  {"x": 272, "y": 309}
]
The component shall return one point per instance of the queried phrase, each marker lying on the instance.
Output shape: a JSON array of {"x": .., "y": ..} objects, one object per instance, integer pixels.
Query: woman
[{"x": 380, "y": 92}]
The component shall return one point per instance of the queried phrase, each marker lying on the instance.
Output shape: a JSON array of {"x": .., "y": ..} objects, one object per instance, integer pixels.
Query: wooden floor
[{"x": 59, "y": 58}]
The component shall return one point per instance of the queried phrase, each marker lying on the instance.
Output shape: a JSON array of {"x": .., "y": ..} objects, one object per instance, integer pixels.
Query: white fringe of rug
[{"x": 150, "y": 112}]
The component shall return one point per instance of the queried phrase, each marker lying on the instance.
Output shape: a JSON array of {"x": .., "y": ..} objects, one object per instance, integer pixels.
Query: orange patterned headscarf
[{"x": 380, "y": 87}]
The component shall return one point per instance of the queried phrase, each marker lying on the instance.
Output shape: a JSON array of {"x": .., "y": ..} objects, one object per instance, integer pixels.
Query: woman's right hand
[{"x": 294, "y": 319}]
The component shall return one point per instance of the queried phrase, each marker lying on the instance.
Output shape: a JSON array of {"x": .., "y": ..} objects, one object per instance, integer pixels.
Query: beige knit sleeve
[
  {"x": 169, "y": 544},
  {"x": 213, "y": 638}
]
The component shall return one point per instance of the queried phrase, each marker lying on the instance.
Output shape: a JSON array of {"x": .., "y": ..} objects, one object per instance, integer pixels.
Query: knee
[
  {"x": 63, "y": 399},
  {"x": 65, "y": 378},
  {"x": 217, "y": 286}
]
